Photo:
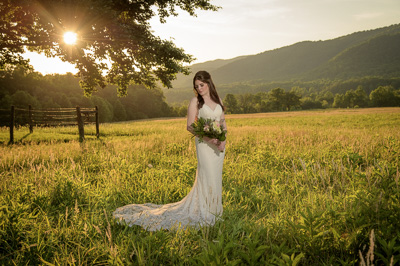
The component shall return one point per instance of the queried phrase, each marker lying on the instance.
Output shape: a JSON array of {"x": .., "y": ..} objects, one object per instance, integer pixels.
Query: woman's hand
[
  {"x": 215, "y": 142},
  {"x": 221, "y": 146},
  {"x": 211, "y": 141}
]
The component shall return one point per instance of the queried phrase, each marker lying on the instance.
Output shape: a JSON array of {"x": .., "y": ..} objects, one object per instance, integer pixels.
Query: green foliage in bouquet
[{"x": 208, "y": 128}]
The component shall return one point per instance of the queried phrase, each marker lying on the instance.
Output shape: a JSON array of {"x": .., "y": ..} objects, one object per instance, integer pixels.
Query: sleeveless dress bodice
[{"x": 206, "y": 112}]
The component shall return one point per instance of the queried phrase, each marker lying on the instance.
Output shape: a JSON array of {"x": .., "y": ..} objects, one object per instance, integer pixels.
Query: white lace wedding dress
[{"x": 202, "y": 206}]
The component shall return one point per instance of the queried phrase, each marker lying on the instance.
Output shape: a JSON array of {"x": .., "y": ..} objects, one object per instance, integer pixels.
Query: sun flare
[{"x": 70, "y": 37}]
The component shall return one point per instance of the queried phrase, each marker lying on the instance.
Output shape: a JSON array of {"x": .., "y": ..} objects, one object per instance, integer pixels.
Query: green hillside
[
  {"x": 182, "y": 80},
  {"x": 372, "y": 53},
  {"x": 379, "y": 56}
]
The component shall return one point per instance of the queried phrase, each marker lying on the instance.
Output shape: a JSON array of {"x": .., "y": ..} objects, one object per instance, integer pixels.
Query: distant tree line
[
  {"x": 298, "y": 98},
  {"x": 21, "y": 87},
  {"x": 320, "y": 86}
]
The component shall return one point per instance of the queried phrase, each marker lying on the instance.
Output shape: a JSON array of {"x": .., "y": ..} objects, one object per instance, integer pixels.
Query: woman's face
[{"x": 202, "y": 88}]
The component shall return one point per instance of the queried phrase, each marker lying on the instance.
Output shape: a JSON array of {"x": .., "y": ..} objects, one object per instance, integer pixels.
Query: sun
[{"x": 70, "y": 37}]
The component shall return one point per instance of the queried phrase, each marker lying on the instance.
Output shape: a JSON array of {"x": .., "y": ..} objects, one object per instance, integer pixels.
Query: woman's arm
[
  {"x": 222, "y": 121},
  {"x": 191, "y": 115}
]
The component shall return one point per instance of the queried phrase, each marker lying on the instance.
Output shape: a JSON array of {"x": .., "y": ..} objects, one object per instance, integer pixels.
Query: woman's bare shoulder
[{"x": 193, "y": 101}]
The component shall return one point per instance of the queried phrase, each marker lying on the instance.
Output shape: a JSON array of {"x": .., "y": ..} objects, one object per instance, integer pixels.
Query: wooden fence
[{"x": 49, "y": 117}]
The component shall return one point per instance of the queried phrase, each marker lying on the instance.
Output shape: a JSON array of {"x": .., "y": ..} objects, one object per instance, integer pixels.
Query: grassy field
[{"x": 307, "y": 188}]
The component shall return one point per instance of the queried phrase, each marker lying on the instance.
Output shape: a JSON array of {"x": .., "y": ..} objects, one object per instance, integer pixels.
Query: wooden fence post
[
  {"x": 30, "y": 120},
  {"x": 80, "y": 124},
  {"x": 12, "y": 124},
  {"x": 97, "y": 122}
]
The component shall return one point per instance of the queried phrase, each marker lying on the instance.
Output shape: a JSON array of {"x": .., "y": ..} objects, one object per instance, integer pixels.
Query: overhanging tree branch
[{"x": 113, "y": 31}]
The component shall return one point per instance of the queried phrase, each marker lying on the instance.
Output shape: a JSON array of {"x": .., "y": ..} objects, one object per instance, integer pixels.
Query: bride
[{"x": 203, "y": 205}]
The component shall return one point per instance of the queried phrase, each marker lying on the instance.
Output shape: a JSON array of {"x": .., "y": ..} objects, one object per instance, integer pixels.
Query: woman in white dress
[{"x": 203, "y": 205}]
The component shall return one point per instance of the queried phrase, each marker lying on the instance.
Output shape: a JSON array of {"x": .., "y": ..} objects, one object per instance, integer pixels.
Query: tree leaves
[{"x": 115, "y": 42}]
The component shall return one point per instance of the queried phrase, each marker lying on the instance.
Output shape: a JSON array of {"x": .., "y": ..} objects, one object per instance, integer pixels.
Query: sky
[{"x": 246, "y": 27}]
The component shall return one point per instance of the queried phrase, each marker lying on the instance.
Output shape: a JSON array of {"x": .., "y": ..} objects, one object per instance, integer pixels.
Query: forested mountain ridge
[
  {"x": 379, "y": 56},
  {"x": 182, "y": 80},
  {"x": 371, "y": 53}
]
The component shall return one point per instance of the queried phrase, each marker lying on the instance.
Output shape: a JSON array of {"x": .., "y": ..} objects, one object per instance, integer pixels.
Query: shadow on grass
[
  {"x": 47, "y": 141},
  {"x": 24, "y": 137},
  {"x": 15, "y": 142},
  {"x": 113, "y": 134}
]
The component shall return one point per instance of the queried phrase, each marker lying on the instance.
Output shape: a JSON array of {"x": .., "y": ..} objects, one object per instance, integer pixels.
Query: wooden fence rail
[{"x": 50, "y": 117}]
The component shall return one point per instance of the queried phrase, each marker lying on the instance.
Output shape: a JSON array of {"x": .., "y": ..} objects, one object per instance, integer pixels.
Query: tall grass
[{"x": 310, "y": 188}]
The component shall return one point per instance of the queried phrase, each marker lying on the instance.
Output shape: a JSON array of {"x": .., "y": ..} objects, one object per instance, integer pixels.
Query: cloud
[{"x": 364, "y": 16}]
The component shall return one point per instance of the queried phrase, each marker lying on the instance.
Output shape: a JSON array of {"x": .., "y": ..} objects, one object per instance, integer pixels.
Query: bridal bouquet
[{"x": 203, "y": 127}]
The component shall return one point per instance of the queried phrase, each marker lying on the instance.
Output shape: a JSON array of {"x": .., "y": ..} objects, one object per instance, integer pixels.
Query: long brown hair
[{"x": 205, "y": 77}]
